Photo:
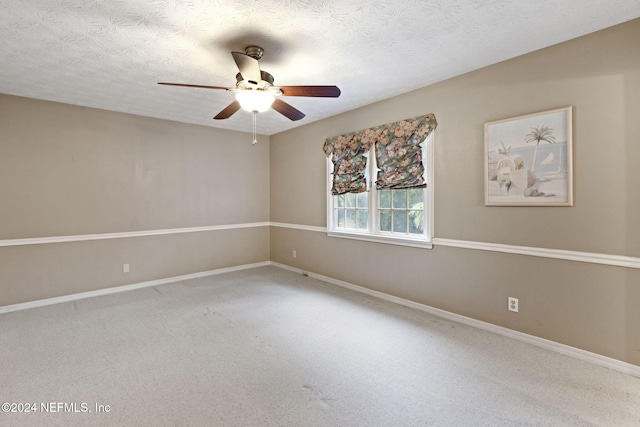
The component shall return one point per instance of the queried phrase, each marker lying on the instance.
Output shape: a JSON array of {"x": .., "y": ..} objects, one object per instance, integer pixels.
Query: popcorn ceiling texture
[{"x": 110, "y": 55}]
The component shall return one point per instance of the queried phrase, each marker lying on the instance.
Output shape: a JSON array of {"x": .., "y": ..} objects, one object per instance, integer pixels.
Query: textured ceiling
[{"x": 110, "y": 54}]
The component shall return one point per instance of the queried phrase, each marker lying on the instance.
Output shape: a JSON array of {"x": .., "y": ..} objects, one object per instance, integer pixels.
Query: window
[{"x": 365, "y": 208}]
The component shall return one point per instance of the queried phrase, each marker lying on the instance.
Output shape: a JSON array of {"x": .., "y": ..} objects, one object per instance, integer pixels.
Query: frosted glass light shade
[{"x": 255, "y": 100}]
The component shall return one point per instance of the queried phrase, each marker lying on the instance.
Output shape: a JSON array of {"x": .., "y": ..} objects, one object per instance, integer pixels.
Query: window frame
[{"x": 373, "y": 234}]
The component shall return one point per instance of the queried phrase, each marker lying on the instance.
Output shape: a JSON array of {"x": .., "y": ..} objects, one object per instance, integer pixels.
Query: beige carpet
[{"x": 268, "y": 347}]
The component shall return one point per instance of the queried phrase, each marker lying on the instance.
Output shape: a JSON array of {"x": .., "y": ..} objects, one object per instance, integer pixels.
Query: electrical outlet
[
  {"x": 294, "y": 254},
  {"x": 125, "y": 268},
  {"x": 513, "y": 304}
]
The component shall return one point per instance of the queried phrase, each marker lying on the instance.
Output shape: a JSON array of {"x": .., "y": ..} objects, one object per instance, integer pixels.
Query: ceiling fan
[{"x": 255, "y": 91}]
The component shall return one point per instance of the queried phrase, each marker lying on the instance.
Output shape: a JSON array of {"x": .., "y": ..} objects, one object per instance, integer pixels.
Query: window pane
[
  {"x": 399, "y": 221},
  {"x": 415, "y": 197},
  {"x": 350, "y": 200},
  {"x": 351, "y": 218},
  {"x": 362, "y": 219},
  {"x": 340, "y": 217},
  {"x": 399, "y": 198},
  {"x": 385, "y": 199},
  {"x": 416, "y": 214},
  {"x": 362, "y": 200},
  {"x": 385, "y": 220},
  {"x": 416, "y": 222},
  {"x": 340, "y": 201}
]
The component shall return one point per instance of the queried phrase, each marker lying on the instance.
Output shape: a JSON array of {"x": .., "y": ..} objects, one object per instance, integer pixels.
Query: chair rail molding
[
  {"x": 125, "y": 234},
  {"x": 567, "y": 255},
  {"x": 588, "y": 257}
]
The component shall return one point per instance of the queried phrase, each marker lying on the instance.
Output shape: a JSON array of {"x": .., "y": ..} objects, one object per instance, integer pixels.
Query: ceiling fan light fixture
[
  {"x": 255, "y": 100},
  {"x": 256, "y": 93}
]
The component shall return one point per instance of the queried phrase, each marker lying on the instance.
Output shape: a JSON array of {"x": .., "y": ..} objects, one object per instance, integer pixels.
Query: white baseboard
[
  {"x": 596, "y": 359},
  {"x": 577, "y": 353},
  {"x": 107, "y": 291}
]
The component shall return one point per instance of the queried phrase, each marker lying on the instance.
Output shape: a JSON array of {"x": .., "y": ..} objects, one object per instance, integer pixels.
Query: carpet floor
[{"x": 269, "y": 347}]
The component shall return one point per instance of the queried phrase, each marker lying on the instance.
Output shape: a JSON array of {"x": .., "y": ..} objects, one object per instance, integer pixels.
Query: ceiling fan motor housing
[
  {"x": 266, "y": 78},
  {"x": 254, "y": 51}
]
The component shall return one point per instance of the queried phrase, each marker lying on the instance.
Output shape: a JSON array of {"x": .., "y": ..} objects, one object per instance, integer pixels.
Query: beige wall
[
  {"x": 68, "y": 170},
  {"x": 589, "y": 306}
]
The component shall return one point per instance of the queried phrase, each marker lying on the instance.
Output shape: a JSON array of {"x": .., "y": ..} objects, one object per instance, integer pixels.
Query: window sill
[{"x": 415, "y": 243}]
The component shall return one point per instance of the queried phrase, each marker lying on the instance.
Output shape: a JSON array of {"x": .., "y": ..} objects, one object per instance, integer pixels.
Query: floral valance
[{"x": 398, "y": 155}]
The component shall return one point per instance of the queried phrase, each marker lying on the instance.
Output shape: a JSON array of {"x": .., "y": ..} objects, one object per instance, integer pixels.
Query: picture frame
[{"x": 528, "y": 160}]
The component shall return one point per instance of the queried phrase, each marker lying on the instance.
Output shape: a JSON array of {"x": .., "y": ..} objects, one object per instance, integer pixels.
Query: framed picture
[{"x": 528, "y": 160}]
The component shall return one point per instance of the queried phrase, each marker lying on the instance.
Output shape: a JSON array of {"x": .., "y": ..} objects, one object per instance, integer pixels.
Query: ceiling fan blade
[
  {"x": 313, "y": 91},
  {"x": 287, "y": 110},
  {"x": 248, "y": 66},
  {"x": 228, "y": 111},
  {"x": 187, "y": 85}
]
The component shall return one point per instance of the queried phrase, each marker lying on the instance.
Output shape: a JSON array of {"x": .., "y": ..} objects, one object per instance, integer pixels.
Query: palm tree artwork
[
  {"x": 528, "y": 160},
  {"x": 537, "y": 134}
]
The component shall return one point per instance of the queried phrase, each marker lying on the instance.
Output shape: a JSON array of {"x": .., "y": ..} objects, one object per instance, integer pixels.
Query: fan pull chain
[{"x": 255, "y": 140}]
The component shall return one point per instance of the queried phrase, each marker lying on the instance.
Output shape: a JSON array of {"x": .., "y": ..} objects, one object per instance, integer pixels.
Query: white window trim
[{"x": 425, "y": 242}]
